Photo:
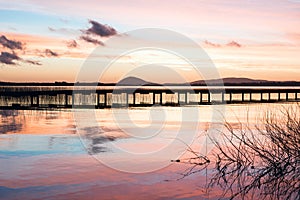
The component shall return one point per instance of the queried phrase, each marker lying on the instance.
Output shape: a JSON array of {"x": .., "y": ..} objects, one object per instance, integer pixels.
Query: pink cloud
[
  {"x": 294, "y": 37},
  {"x": 230, "y": 44},
  {"x": 233, "y": 44},
  {"x": 208, "y": 43}
]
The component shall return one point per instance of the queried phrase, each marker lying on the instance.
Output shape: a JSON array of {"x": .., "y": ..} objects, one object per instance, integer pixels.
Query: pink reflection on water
[
  {"x": 36, "y": 122},
  {"x": 30, "y": 169},
  {"x": 81, "y": 177}
]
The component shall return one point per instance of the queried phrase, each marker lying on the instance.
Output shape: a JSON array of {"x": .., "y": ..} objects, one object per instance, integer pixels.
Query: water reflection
[
  {"x": 95, "y": 138},
  {"x": 37, "y": 122},
  {"x": 42, "y": 157},
  {"x": 9, "y": 121}
]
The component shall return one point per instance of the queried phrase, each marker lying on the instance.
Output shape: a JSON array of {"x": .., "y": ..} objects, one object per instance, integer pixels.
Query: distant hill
[
  {"x": 242, "y": 80},
  {"x": 134, "y": 81},
  {"x": 229, "y": 81}
]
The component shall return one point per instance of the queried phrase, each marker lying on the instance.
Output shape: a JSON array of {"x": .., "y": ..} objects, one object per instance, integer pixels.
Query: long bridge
[{"x": 43, "y": 98}]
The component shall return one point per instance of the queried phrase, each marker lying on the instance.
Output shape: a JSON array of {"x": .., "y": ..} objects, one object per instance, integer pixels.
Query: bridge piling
[
  {"x": 200, "y": 96},
  {"x": 104, "y": 98}
]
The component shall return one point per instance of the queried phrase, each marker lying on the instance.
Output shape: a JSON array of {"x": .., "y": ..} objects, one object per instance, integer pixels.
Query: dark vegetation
[{"x": 260, "y": 162}]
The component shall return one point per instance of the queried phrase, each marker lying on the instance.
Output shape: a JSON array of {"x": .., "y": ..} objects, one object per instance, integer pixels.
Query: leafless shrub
[{"x": 256, "y": 162}]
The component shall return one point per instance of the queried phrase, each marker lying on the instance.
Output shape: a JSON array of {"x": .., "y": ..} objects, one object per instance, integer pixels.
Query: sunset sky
[{"x": 49, "y": 40}]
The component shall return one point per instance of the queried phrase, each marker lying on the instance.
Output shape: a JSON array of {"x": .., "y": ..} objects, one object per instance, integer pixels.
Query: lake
[{"x": 112, "y": 153}]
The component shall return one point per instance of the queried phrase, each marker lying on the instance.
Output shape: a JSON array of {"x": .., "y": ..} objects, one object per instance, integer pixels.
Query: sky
[{"x": 46, "y": 41}]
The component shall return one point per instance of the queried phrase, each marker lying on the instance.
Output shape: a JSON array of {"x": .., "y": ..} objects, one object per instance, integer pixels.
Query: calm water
[{"x": 63, "y": 154}]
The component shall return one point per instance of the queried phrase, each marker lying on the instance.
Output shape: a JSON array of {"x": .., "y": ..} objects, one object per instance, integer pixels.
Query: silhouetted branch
[{"x": 263, "y": 161}]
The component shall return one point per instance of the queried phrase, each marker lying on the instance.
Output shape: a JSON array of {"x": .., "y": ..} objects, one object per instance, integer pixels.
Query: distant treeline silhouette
[{"x": 132, "y": 81}]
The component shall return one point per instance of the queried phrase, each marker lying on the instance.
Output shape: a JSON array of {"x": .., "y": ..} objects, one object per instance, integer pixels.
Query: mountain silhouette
[
  {"x": 229, "y": 80},
  {"x": 134, "y": 81}
]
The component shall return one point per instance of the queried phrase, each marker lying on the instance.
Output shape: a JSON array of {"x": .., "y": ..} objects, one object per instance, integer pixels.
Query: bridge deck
[{"x": 12, "y": 98}]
